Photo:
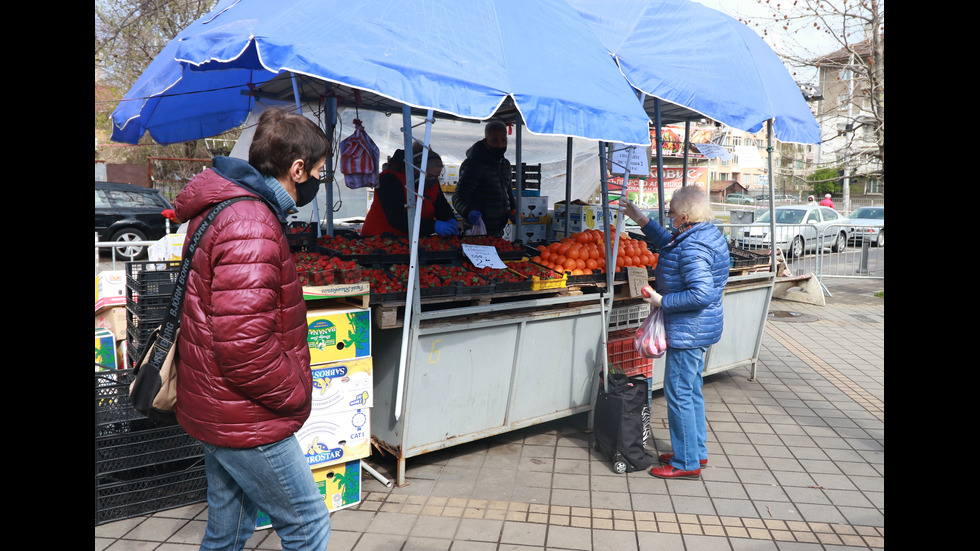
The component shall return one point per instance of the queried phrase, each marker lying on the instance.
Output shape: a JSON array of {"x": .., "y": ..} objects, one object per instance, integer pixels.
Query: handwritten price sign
[{"x": 483, "y": 256}]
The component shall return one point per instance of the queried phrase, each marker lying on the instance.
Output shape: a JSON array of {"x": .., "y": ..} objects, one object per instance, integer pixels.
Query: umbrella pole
[
  {"x": 660, "y": 160},
  {"x": 412, "y": 305},
  {"x": 687, "y": 144}
]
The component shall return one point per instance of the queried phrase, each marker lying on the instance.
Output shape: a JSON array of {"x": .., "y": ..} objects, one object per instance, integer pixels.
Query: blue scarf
[{"x": 285, "y": 201}]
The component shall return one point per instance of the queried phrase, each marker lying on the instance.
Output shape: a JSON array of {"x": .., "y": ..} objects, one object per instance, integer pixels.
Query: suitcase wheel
[{"x": 619, "y": 464}]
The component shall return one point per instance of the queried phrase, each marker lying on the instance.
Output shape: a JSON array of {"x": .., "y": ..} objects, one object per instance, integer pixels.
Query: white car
[
  {"x": 799, "y": 228},
  {"x": 867, "y": 223}
]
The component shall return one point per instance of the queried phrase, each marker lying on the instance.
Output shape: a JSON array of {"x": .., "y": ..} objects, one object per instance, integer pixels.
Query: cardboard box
[
  {"x": 112, "y": 318},
  {"x": 105, "y": 349},
  {"x": 533, "y": 209},
  {"x": 338, "y": 333},
  {"x": 340, "y": 486},
  {"x": 361, "y": 289},
  {"x": 168, "y": 247},
  {"x": 342, "y": 386},
  {"x": 332, "y": 438},
  {"x": 110, "y": 289},
  {"x": 582, "y": 217},
  {"x": 532, "y": 233}
]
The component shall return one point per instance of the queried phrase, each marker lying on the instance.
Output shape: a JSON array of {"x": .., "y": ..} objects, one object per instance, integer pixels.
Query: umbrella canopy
[
  {"x": 703, "y": 60},
  {"x": 466, "y": 60}
]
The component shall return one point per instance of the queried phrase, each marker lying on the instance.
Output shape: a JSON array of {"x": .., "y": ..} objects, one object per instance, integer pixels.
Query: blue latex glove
[
  {"x": 448, "y": 228},
  {"x": 474, "y": 216}
]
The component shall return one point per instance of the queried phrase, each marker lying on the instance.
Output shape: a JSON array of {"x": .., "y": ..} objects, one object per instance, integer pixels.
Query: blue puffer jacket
[{"x": 691, "y": 274}]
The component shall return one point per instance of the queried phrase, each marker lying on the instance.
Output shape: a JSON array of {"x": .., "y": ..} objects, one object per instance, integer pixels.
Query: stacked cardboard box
[
  {"x": 338, "y": 433},
  {"x": 581, "y": 217},
  {"x": 110, "y": 318}
]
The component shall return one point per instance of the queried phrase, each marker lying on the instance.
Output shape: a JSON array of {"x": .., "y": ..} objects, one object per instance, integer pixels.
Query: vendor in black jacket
[{"x": 484, "y": 188}]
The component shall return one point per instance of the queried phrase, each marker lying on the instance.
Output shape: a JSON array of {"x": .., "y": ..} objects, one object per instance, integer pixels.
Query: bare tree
[
  {"x": 128, "y": 36},
  {"x": 850, "y": 69}
]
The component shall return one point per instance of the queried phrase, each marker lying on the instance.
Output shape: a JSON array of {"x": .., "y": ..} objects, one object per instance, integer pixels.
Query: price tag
[
  {"x": 483, "y": 256},
  {"x": 637, "y": 278}
]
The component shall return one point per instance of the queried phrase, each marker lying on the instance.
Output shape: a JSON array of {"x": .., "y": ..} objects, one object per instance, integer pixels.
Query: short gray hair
[{"x": 692, "y": 201}]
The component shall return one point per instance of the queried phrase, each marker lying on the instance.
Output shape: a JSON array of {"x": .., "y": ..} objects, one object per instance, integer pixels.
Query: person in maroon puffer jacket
[{"x": 245, "y": 385}]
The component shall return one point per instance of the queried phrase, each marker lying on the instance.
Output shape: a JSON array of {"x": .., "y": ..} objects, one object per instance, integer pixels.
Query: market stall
[{"x": 487, "y": 353}]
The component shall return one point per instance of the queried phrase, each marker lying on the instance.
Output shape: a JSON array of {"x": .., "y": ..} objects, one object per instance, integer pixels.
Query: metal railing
[
  {"x": 112, "y": 246},
  {"x": 836, "y": 250}
]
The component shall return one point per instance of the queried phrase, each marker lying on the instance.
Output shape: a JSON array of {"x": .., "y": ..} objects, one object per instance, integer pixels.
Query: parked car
[
  {"x": 778, "y": 199},
  {"x": 799, "y": 228},
  {"x": 125, "y": 213},
  {"x": 630, "y": 224},
  {"x": 739, "y": 199},
  {"x": 867, "y": 223}
]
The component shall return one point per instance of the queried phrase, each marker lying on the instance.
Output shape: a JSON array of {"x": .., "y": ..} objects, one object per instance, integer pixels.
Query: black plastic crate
[
  {"x": 112, "y": 405},
  {"x": 137, "y": 333},
  {"x": 148, "y": 309},
  {"x": 129, "y": 450},
  {"x": 151, "y": 278},
  {"x": 118, "y": 498},
  {"x": 300, "y": 236},
  {"x": 747, "y": 259},
  {"x": 530, "y": 176}
]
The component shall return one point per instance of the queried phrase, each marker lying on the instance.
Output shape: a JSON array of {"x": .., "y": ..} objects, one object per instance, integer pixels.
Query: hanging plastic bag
[
  {"x": 651, "y": 337},
  {"x": 359, "y": 159}
]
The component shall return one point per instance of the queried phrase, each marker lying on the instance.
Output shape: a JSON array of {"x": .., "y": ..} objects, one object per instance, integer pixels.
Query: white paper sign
[
  {"x": 639, "y": 164},
  {"x": 748, "y": 156},
  {"x": 711, "y": 151},
  {"x": 483, "y": 256}
]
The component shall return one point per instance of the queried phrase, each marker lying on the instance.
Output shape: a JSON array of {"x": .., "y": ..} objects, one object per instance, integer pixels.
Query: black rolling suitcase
[{"x": 621, "y": 423}]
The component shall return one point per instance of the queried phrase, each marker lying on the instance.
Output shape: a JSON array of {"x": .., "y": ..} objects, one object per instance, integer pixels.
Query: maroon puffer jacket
[{"x": 244, "y": 374}]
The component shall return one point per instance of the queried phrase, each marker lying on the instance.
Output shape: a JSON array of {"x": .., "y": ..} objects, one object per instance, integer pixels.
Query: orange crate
[{"x": 623, "y": 356}]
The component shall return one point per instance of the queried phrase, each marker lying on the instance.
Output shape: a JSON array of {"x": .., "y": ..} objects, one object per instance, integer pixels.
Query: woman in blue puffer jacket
[{"x": 691, "y": 275}]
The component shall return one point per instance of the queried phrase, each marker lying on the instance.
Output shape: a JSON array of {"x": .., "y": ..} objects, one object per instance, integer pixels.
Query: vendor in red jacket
[
  {"x": 389, "y": 210},
  {"x": 245, "y": 385}
]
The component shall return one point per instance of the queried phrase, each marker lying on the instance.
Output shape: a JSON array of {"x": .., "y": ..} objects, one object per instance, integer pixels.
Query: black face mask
[
  {"x": 497, "y": 151},
  {"x": 306, "y": 191}
]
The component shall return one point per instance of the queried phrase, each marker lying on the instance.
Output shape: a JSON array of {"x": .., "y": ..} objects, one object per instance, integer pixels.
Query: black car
[{"x": 124, "y": 212}]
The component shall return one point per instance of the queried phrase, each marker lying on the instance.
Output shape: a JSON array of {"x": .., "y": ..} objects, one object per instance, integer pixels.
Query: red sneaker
[
  {"x": 666, "y": 457},
  {"x": 668, "y": 471}
]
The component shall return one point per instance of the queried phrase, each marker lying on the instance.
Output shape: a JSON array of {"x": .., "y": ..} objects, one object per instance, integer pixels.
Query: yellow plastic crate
[{"x": 538, "y": 284}]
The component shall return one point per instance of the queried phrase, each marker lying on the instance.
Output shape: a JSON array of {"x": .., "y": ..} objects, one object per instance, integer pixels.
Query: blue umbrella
[
  {"x": 464, "y": 60},
  {"x": 703, "y": 61}
]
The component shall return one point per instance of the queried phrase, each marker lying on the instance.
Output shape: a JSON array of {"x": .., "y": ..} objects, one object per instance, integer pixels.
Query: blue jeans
[
  {"x": 685, "y": 406},
  {"x": 274, "y": 478}
]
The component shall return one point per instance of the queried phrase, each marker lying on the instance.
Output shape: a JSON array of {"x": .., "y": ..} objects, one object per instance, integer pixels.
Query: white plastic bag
[
  {"x": 478, "y": 229},
  {"x": 651, "y": 337}
]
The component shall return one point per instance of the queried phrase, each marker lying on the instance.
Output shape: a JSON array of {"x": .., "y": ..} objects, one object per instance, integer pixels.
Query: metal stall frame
[{"x": 486, "y": 377}]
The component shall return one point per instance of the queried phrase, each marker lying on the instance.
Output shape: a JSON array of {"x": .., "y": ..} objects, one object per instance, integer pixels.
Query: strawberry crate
[
  {"x": 623, "y": 356},
  {"x": 300, "y": 236}
]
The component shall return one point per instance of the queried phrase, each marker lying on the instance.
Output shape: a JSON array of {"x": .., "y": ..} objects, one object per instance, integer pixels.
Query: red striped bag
[{"x": 359, "y": 159}]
